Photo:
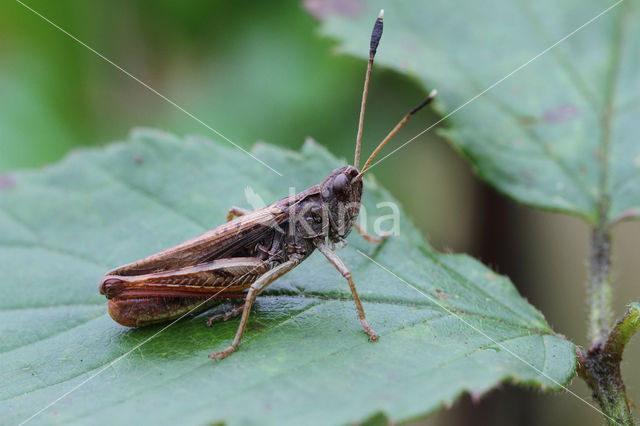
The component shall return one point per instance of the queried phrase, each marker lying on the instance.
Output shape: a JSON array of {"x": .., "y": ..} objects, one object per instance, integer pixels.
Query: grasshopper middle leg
[{"x": 255, "y": 289}]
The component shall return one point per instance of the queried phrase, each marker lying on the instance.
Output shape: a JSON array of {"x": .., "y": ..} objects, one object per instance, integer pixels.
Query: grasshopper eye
[{"x": 340, "y": 184}]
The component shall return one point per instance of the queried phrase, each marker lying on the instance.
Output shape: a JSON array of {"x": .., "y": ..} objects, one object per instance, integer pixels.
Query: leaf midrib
[
  {"x": 528, "y": 331},
  {"x": 450, "y": 311}
]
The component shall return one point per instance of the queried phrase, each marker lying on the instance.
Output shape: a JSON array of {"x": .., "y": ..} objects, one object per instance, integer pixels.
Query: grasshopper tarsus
[
  {"x": 240, "y": 258},
  {"x": 373, "y": 337},
  {"x": 223, "y": 354}
]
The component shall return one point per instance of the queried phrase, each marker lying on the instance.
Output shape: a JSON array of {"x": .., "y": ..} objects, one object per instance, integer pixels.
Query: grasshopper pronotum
[{"x": 251, "y": 251}]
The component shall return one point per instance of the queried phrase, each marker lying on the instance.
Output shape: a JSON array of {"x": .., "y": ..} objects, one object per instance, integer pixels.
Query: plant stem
[
  {"x": 600, "y": 368},
  {"x": 602, "y": 374},
  {"x": 600, "y": 365},
  {"x": 600, "y": 312}
]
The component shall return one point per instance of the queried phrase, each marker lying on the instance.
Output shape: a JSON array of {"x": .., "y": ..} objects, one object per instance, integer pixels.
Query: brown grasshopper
[{"x": 251, "y": 251}]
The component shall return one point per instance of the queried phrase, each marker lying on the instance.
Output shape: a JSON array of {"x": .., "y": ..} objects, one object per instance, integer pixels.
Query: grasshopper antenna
[
  {"x": 376, "y": 34},
  {"x": 402, "y": 122}
]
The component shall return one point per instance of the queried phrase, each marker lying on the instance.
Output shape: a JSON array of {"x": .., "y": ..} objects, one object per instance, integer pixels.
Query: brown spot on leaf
[
  {"x": 441, "y": 295},
  {"x": 560, "y": 114},
  {"x": 321, "y": 8},
  {"x": 137, "y": 158},
  {"x": 527, "y": 120},
  {"x": 6, "y": 182},
  {"x": 597, "y": 154}
]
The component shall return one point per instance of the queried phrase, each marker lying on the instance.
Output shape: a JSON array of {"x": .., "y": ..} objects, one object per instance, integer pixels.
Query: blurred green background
[{"x": 260, "y": 71}]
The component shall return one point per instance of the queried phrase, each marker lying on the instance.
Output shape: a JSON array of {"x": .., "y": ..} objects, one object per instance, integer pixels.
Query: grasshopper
[{"x": 239, "y": 259}]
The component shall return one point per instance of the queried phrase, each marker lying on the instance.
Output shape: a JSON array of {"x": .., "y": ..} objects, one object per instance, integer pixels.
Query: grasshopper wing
[{"x": 232, "y": 239}]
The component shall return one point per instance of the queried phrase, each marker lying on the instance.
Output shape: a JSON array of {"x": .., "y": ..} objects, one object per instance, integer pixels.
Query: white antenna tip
[
  {"x": 433, "y": 93},
  {"x": 381, "y": 14}
]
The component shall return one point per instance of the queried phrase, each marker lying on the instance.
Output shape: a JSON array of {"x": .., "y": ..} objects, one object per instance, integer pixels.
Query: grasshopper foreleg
[
  {"x": 342, "y": 268},
  {"x": 236, "y": 212},
  {"x": 368, "y": 237},
  {"x": 255, "y": 289}
]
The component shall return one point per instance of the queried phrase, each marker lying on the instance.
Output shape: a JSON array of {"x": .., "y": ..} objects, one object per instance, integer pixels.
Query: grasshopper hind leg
[{"x": 255, "y": 289}]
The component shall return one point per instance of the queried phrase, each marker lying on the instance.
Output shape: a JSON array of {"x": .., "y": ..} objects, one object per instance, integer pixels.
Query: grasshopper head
[{"x": 341, "y": 195}]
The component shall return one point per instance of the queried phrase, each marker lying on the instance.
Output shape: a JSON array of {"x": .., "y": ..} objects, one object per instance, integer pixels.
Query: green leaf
[
  {"x": 560, "y": 133},
  {"x": 304, "y": 358}
]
